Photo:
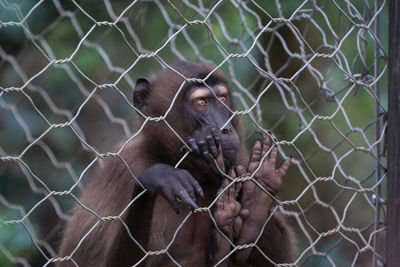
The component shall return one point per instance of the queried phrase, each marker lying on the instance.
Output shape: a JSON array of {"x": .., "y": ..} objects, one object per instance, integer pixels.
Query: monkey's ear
[{"x": 141, "y": 92}]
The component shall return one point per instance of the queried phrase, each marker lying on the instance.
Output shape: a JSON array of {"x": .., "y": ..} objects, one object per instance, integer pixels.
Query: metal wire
[{"x": 310, "y": 73}]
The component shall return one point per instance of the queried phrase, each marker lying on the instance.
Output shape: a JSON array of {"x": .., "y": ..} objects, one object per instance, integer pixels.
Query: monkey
[
  {"x": 256, "y": 203},
  {"x": 253, "y": 206},
  {"x": 138, "y": 200}
]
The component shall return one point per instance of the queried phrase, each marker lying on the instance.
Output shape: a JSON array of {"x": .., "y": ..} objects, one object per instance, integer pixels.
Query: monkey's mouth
[
  {"x": 229, "y": 149},
  {"x": 229, "y": 156}
]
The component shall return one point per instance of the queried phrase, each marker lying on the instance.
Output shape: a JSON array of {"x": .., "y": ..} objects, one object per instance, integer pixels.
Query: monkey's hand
[
  {"x": 254, "y": 198},
  {"x": 172, "y": 184},
  {"x": 268, "y": 176},
  {"x": 205, "y": 142},
  {"x": 227, "y": 214},
  {"x": 228, "y": 211}
]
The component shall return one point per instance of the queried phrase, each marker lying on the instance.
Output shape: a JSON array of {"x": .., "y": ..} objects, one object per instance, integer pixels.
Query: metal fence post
[{"x": 393, "y": 219}]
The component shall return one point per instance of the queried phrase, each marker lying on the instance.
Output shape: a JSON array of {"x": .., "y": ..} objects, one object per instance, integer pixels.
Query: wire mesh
[{"x": 311, "y": 72}]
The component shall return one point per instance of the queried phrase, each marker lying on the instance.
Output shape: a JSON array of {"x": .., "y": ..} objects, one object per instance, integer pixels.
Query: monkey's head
[{"x": 191, "y": 107}]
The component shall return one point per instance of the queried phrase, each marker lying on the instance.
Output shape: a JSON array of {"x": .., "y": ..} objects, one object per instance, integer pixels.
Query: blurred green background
[{"x": 323, "y": 106}]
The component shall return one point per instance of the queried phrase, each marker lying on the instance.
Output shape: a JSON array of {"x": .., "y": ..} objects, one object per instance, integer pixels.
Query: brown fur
[{"x": 150, "y": 219}]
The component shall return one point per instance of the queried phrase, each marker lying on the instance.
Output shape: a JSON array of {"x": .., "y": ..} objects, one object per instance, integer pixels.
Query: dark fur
[{"x": 150, "y": 219}]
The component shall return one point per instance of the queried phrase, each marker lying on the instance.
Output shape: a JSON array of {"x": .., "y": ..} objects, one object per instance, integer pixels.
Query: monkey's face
[
  {"x": 197, "y": 111},
  {"x": 210, "y": 109}
]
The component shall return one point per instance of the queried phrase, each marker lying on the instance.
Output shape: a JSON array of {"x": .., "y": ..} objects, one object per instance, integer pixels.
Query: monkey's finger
[
  {"x": 266, "y": 145},
  {"x": 217, "y": 135},
  {"x": 237, "y": 226},
  {"x": 285, "y": 166},
  {"x": 193, "y": 145},
  {"x": 240, "y": 170},
  {"x": 248, "y": 189},
  {"x": 183, "y": 195},
  {"x": 256, "y": 153},
  {"x": 188, "y": 187},
  {"x": 188, "y": 201},
  {"x": 238, "y": 187},
  {"x": 272, "y": 158},
  {"x": 224, "y": 183},
  {"x": 173, "y": 202},
  {"x": 244, "y": 214},
  {"x": 221, "y": 194},
  {"x": 195, "y": 185},
  {"x": 237, "y": 208},
  {"x": 247, "y": 186},
  {"x": 219, "y": 204},
  {"x": 231, "y": 193},
  {"x": 204, "y": 151},
  {"x": 232, "y": 173},
  {"x": 225, "y": 194},
  {"x": 212, "y": 148}
]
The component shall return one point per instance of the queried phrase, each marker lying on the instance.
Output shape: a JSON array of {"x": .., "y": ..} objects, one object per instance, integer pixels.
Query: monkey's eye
[
  {"x": 222, "y": 99},
  {"x": 200, "y": 102}
]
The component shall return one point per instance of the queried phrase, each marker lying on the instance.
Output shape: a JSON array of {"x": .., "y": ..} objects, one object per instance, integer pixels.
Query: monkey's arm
[
  {"x": 226, "y": 214},
  {"x": 257, "y": 201},
  {"x": 121, "y": 249},
  {"x": 161, "y": 179},
  {"x": 277, "y": 242},
  {"x": 172, "y": 184}
]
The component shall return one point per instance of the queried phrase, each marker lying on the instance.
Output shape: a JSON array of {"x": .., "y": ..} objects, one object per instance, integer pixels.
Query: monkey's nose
[{"x": 226, "y": 131}]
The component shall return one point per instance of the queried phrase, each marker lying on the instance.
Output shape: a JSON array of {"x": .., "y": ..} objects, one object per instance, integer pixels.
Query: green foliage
[{"x": 107, "y": 52}]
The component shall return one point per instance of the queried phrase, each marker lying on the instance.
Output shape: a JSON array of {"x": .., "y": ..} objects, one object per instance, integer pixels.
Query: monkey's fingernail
[
  {"x": 240, "y": 169},
  {"x": 194, "y": 207}
]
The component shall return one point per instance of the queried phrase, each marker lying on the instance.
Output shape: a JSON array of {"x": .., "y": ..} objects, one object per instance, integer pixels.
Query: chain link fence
[{"x": 311, "y": 72}]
